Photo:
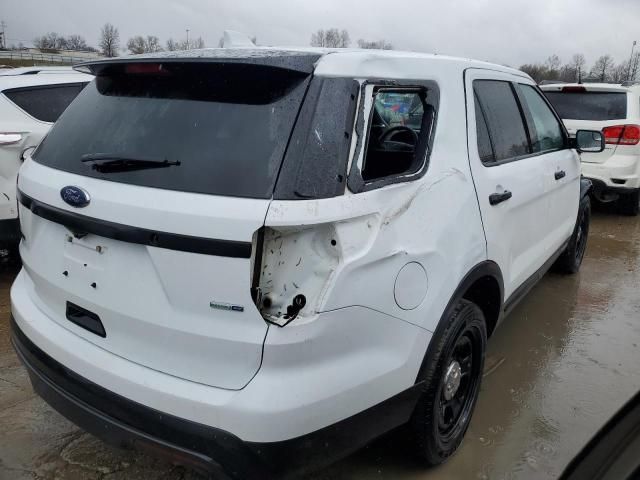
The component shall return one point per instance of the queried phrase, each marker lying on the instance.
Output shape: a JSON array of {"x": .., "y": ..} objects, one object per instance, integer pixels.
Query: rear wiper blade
[{"x": 107, "y": 162}]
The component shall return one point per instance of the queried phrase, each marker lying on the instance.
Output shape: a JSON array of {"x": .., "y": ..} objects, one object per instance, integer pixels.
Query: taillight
[
  {"x": 622, "y": 134},
  {"x": 10, "y": 138}
]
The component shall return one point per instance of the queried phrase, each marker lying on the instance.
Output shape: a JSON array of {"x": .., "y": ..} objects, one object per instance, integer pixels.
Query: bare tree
[
  {"x": 375, "y": 44},
  {"x": 140, "y": 44},
  {"x": 331, "y": 38},
  {"x": 173, "y": 45},
  {"x": 578, "y": 62},
  {"x": 77, "y": 42},
  {"x": 552, "y": 64},
  {"x": 197, "y": 43},
  {"x": 537, "y": 71},
  {"x": 601, "y": 70},
  {"x": 618, "y": 74},
  {"x": 50, "y": 41},
  {"x": 109, "y": 40}
]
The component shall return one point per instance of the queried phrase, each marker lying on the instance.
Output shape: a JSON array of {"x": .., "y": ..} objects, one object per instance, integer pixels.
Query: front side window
[
  {"x": 401, "y": 121},
  {"x": 503, "y": 117},
  {"x": 44, "y": 102},
  {"x": 546, "y": 133}
]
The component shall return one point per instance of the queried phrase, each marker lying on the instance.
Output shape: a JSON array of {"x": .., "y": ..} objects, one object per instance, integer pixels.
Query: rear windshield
[
  {"x": 589, "y": 105},
  {"x": 221, "y": 128}
]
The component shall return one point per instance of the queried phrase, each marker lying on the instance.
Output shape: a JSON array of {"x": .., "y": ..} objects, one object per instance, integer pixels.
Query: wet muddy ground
[{"x": 558, "y": 368}]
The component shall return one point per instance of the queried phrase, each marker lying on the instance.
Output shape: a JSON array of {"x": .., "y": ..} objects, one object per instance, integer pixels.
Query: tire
[
  {"x": 569, "y": 262},
  {"x": 436, "y": 428},
  {"x": 629, "y": 204}
]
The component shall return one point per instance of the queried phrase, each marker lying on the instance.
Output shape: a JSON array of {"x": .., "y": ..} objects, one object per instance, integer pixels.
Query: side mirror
[
  {"x": 25, "y": 153},
  {"x": 591, "y": 141}
]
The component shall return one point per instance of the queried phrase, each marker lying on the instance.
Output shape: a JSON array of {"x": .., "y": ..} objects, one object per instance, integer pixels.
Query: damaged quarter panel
[{"x": 349, "y": 250}]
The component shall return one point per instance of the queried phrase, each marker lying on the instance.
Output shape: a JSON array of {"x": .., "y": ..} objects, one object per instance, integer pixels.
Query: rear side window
[
  {"x": 545, "y": 130},
  {"x": 597, "y": 106},
  {"x": 222, "y": 127},
  {"x": 44, "y": 102},
  {"x": 504, "y": 119},
  {"x": 400, "y": 125}
]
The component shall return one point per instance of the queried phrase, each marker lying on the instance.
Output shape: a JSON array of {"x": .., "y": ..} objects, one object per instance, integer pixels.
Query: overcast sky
[{"x": 505, "y": 31}]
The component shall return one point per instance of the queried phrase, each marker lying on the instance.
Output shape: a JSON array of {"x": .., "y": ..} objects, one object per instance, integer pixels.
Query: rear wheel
[
  {"x": 571, "y": 259},
  {"x": 451, "y": 375},
  {"x": 630, "y": 203}
]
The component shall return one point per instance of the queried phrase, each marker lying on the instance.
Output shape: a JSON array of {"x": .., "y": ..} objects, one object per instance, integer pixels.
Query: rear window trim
[{"x": 83, "y": 224}]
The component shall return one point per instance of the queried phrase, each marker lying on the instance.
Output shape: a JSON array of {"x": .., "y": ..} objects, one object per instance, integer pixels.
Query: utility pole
[
  {"x": 188, "y": 39},
  {"x": 3, "y": 38},
  {"x": 631, "y": 61}
]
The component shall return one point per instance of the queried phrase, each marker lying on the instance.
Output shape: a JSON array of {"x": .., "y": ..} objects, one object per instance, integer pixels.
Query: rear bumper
[
  {"x": 124, "y": 423},
  {"x": 620, "y": 173},
  {"x": 131, "y": 406}
]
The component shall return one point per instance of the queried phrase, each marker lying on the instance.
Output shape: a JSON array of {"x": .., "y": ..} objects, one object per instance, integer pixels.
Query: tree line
[
  {"x": 109, "y": 43},
  {"x": 336, "y": 38},
  {"x": 604, "y": 69}
]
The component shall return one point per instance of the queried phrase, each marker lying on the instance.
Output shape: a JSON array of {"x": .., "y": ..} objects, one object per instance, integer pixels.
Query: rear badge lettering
[{"x": 226, "y": 306}]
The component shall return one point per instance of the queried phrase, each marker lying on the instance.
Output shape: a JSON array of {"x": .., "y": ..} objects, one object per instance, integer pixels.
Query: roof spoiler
[{"x": 298, "y": 62}]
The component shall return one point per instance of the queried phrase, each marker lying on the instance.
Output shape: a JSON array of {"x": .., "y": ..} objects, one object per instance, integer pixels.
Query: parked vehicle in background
[
  {"x": 615, "y": 110},
  {"x": 31, "y": 99},
  {"x": 262, "y": 259}
]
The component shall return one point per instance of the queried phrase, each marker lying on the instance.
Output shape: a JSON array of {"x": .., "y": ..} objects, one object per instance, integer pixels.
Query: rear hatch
[
  {"x": 585, "y": 108},
  {"x": 175, "y": 163}
]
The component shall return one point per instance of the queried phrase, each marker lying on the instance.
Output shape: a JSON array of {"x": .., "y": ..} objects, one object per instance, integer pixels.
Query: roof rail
[{"x": 630, "y": 83}]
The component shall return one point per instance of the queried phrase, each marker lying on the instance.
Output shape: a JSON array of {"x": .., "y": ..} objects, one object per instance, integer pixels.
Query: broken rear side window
[{"x": 399, "y": 129}]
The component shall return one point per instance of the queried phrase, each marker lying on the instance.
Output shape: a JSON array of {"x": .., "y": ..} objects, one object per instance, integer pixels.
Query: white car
[
  {"x": 262, "y": 275},
  {"x": 615, "y": 110},
  {"x": 31, "y": 99}
]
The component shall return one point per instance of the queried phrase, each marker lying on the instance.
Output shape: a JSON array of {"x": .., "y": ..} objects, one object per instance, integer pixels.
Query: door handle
[
  {"x": 496, "y": 198},
  {"x": 559, "y": 174}
]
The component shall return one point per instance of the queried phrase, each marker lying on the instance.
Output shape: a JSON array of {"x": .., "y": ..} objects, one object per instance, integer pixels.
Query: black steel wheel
[{"x": 451, "y": 374}]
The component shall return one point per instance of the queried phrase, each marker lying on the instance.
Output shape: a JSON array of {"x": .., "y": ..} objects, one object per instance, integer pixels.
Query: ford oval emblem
[{"x": 75, "y": 196}]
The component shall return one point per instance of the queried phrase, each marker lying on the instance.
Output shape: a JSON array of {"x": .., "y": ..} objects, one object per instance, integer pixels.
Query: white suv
[
  {"x": 31, "y": 99},
  {"x": 615, "y": 110},
  {"x": 263, "y": 275}
]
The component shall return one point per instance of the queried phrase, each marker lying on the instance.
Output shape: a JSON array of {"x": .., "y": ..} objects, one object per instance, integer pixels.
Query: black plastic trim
[
  {"x": 600, "y": 186},
  {"x": 520, "y": 292},
  {"x": 82, "y": 225},
  {"x": 125, "y": 423},
  {"x": 85, "y": 319}
]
